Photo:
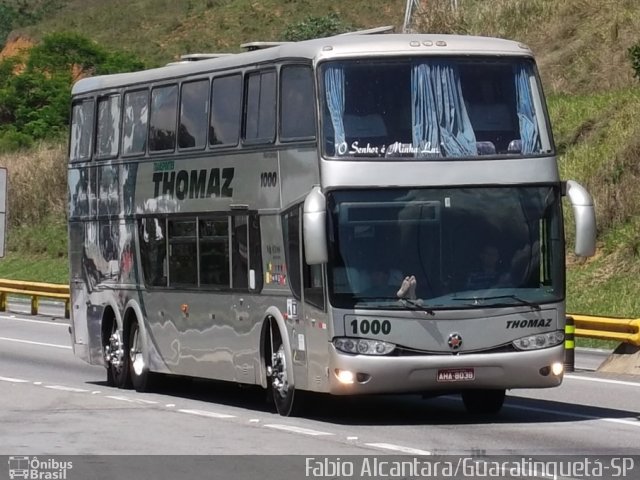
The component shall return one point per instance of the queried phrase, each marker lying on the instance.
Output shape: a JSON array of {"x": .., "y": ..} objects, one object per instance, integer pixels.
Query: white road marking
[
  {"x": 254, "y": 420},
  {"x": 399, "y": 448},
  {"x": 304, "y": 431},
  {"x": 204, "y": 413},
  {"x": 66, "y": 347},
  {"x": 66, "y": 389},
  {"x": 37, "y": 383},
  {"x": 633, "y": 423},
  {"x": 138, "y": 401},
  {"x": 603, "y": 380},
  {"x": 95, "y": 392},
  {"x": 352, "y": 438},
  {"x": 170, "y": 405},
  {"x": 28, "y": 320},
  {"x": 13, "y": 380},
  {"x": 148, "y": 402}
]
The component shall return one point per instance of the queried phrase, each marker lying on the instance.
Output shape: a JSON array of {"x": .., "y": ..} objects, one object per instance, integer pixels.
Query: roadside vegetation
[{"x": 588, "y": 54}]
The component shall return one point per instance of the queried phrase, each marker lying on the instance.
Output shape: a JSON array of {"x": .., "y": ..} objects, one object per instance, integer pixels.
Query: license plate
[{"x": 456, "y": 375}]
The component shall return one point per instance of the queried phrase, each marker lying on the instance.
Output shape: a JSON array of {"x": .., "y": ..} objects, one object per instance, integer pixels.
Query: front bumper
[{"x": 388, "y": 374}]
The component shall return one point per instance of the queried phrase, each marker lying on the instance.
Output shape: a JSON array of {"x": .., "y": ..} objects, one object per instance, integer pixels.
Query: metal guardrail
[
  {"x": 35, "y": 290},
  {"x": 608, "y": 328},
  {"x": 604, "y": 328}
]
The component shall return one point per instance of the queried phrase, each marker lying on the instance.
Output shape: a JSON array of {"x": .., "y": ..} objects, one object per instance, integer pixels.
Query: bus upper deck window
[
  {"x": 134, "y": 122},
  {"x": 226, "y": 107},
  {"x": 82, "y": 130},
  {"x": 162, "y": 121},
  {"x": 194, "y": 105}
]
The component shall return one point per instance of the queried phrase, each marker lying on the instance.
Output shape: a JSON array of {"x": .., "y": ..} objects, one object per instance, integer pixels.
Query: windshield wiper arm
[
  {"x": 373, "y": 298},
  {"x": 522, "y": 301},
  {"x": 418, "y": 306}
]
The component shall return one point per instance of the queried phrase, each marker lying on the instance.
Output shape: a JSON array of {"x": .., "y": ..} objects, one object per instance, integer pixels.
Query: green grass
[
  {"x": 160, "y": 30},
  {"x": 37, "y": 253},
  {"x": 35, "y": 268}
]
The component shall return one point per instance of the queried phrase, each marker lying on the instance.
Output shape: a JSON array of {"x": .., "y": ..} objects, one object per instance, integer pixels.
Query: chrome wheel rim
[
  {"x": 279, "y": 379},
  {"x": 113, "y": 352}
]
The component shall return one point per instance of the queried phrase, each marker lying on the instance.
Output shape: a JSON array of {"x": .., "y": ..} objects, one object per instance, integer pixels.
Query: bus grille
[{"x": 401, "y": 351}]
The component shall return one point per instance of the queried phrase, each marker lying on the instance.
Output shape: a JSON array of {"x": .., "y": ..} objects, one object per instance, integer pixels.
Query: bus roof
[{"x": 339, "y": 46}]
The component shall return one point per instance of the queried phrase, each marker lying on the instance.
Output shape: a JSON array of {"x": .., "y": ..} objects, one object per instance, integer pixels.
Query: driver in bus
[{"x": 489, "y": 274}]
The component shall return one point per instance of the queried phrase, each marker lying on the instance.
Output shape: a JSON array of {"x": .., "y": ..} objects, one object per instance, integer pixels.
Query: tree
[
  {"x": 34, "y": 103},
  {"x": 316, "y": 27}
]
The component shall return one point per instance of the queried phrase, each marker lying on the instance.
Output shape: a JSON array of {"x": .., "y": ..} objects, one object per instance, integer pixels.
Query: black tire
[
  {"x": 141, "y": 377},
  {"x": 283, "y": 394},
  {"x": 117, "y": 372},
  {"x": 483, "y": 402}
]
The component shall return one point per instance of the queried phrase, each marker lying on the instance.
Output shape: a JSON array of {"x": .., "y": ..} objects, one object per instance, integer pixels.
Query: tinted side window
[
  {"x": 255, "y": 251},
  {"x": 108, "y": 130},
  {"x": 226, "y": 104},
  {"x": 240, "y": 253},
  {"x": 182, "y": 252},
  {"x": 260, "y": 109},
  {"x": 297, "y": 104},
  {"x": 313, "y": 285},
  {"x": 194, "y": 105},
  {"x": 214, "y": 252},
  {"x": 291, "y": 232},
  {"x": 134, "y": 122},
  {"x": 153, "y": 250},
  {"x": 81, "y": 130},
  {"x": 162, "y": 124}
]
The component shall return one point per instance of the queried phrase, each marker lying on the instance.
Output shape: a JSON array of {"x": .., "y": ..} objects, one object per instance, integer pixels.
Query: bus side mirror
[
  {"x": 314, "y": 227},
  {"x": 585, "y": 217}
]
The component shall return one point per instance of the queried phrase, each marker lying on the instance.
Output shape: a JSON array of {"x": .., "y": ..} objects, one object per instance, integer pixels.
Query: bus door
[{"x": 316, "y": 325}]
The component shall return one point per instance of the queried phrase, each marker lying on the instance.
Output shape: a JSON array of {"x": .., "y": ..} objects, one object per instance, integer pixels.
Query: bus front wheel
[
  {"x": 483, "y": 402},
  {"x": 282, "y": 390}
]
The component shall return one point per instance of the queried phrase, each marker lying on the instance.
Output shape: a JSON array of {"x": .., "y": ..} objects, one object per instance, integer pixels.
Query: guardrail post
[
  {"x": 67, "y": 308},
  {"x": 569, "y": 345},
  {"x": 34, "y": 304},
  {"x": 3, "y": 302}
]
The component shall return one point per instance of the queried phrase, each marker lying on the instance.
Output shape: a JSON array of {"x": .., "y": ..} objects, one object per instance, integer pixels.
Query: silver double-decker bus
[{"x": 357, "y": 214}]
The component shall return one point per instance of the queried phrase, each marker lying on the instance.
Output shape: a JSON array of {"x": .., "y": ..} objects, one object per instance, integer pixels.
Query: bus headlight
[
  {"x": 541, "y": 340},
  {"x": 363, "y": 346}
]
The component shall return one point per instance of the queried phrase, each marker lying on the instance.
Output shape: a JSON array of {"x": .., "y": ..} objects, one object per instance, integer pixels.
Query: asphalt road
[{"x": 53, "y": 403}]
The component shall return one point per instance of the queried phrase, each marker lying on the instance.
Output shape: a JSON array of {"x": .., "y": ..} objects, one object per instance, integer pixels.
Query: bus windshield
[
  {"x": 433, "y": 108},
  {"x": 445, "y": 248}
]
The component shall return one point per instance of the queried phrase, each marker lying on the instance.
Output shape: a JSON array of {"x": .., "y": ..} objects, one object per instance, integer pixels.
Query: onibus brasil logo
[{"x": 35, "y": 469}]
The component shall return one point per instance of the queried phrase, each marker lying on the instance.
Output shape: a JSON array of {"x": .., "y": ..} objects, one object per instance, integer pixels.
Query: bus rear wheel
[
  {"x": 116, "y": 360},
  {"x": 483, "y": 402},
  {"x": 141, "y": 377},
  {"x": 277, "y": 373}
]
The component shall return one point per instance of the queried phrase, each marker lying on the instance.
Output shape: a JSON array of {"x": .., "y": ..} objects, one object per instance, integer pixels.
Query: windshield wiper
[
  {"x": 521, "y": 301},
  {"x": 418, "y": 306},
  {"x": 358, "y": 297}
]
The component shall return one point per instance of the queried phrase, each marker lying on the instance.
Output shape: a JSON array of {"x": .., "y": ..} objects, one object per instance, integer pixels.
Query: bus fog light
[
  {"x": 557, "y": 368},
  {"x": 363, "y": 346},
  {"x": 345, "y": 376}
]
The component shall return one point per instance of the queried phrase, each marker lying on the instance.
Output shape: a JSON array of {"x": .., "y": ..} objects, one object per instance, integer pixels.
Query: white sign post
[{"x": 3, "y": 209}]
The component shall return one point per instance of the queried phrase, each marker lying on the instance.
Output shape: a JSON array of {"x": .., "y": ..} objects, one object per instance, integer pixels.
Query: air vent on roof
[
  {"x": 251, "y": 46},
  {"x": 195, "y": 57},
  {"x": 370, "y": 31}
]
